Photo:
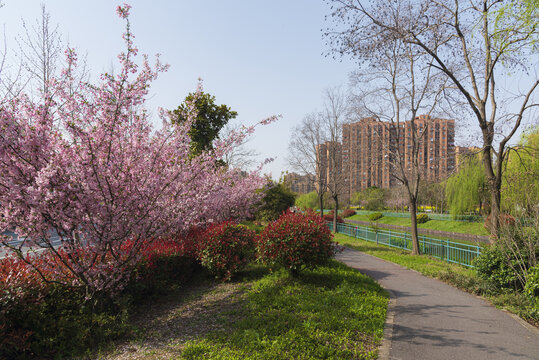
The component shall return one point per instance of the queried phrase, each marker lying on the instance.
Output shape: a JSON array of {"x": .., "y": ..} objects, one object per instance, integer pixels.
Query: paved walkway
[{"x": 432, "y": 320}]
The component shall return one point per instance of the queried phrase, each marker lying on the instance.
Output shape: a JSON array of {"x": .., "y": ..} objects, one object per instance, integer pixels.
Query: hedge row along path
[{"x": 428, "y": 319}]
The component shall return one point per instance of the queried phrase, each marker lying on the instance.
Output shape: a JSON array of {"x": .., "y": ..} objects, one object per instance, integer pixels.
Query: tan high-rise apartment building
[
  {"x": 301, "y": 184},
  {"x": 369, "y": 151},
  {"x": 366, "y": 153},
  {"x": 329, "y": 159}
]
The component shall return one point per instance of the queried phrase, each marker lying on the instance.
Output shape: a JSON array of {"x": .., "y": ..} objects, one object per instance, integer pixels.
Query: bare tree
[
  {"x": 474, "y": 43},
  {"x": 11, "y": 83},
  {"x": 303, "y": 149},
  {"x": 40, "y": 49},
  {"x": 399, "y": 86},
  {"x": 333, "y": 116},
  {"x": 240, "y": 156}
]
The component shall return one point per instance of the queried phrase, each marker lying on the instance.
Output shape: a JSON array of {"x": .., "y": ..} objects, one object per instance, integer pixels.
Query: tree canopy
[
  {"x": 307, "y": 201},
  {"x": 277, "y": 198},
  {"x": 468, "y": 188},
  {"x": 520, "y": 189},
  {"x": 371, "y": 198},
  {"x": 210, "y": 119}
]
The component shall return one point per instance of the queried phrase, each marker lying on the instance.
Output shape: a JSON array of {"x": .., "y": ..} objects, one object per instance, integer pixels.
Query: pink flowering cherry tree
[{"x": 85, "y": 163}]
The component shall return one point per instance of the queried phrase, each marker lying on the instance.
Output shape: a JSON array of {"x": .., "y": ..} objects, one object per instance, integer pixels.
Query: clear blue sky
[
  {"x": 258, "y": 57},
  {"x": 261, "y": 58}
]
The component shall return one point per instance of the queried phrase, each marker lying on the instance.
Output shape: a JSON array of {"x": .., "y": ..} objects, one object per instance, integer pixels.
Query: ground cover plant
[
  {"x": 464, "y": 278},
  {"x": 331, "y": 312}
]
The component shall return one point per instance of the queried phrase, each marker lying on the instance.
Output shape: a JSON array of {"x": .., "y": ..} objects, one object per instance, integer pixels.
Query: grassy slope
[
  {"x": 332, "y": 312},
  {"x": 462, "y": 227},
  {"x": 458, "y": 276}
]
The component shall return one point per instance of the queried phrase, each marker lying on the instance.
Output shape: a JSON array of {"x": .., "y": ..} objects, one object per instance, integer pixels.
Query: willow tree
[
  {"x": 467, "y": 189},
  {"x": 520, "y": 188}
]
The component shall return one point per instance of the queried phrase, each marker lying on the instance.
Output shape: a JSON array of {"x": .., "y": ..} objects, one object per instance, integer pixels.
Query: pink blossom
[{"x": 87, "y": 165}]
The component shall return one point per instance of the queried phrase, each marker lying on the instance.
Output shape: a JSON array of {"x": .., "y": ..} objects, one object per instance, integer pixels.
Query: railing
[
  {"x": 433, "y": 216},
  {"x": 449, "y": 251}
]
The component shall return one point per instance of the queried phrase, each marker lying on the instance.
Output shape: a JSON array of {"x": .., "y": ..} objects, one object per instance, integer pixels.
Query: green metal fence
[
  {"x": 446, "y": 250},
  {"x": 433, "y": 216}
]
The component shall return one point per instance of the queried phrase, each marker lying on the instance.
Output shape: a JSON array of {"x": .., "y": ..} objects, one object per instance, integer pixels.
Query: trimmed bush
[
  {"x": 225, "y": 248},
  {"x": 348, "y": 212},
  {"x": 422, "y": 218},
  {"x": 375, "y": 216},
  {"x": 296, "y": 241},
  {"x": 329, "y": 217}
]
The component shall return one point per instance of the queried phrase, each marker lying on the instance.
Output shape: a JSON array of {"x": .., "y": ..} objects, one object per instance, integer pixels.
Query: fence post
[
  {"x": 376, "y": 238},
  {"x": 405, "y": 242},
  {"x": 443, "y": 250}
]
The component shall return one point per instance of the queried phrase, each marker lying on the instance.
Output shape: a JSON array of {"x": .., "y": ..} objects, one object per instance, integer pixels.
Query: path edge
[{"x": 385, "y": 349}]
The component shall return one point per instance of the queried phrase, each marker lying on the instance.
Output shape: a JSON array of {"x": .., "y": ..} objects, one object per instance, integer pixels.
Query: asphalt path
[{"x": 428, "y": 319}]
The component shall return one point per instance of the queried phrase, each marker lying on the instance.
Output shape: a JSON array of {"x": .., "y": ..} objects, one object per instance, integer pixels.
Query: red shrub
[
  {"x": 21, "y": 292},
  {"x": 329, "y": 217},
  {"x": 226, "y": 248},
  {"x": 505, "y": 220},
  {"x": 296, "y": 240},
  {"x": 347, "y": 213}
]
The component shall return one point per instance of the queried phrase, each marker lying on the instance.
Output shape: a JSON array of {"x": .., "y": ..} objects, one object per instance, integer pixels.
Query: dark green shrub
[
  {"x": 422, "y": 218},
  {"x": 532, "y": 284},
  {"x": 375, "y": 216},
  {"x": 531, "y": 290},
  {"x": 295, "y": 241},
  {"x": 276, "y": 199},
  {"x": 492, "y": 265}
]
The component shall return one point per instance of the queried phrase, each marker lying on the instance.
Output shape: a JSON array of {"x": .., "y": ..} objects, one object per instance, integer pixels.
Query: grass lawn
[
  {"x": 331, "y": 312},
  {"x": 459, "y": 276},
  {"x": 462, "y": 227}
]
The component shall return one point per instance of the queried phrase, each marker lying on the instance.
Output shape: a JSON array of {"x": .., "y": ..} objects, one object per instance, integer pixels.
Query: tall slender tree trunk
[
  {"x": 412, "y": 207},
  {"x": 321, "y": 204},
  {"x": 494, "y": 186},
  {"x": 336, "y": 199}
]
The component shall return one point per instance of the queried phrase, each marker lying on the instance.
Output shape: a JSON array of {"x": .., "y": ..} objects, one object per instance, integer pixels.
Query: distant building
[
  {"x": 301, "y": 184},
  {"x": 436, "y": 150},
  {"x": 369, "y": 151},
  {"x": 329, "y": 159}
]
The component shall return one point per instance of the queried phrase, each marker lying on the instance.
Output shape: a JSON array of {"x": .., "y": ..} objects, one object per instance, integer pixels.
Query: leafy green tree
[
  {"x": 277, "y": 198},
  {"x": 371, "y": 198},
  {"x": 468, "y": 188},
  {"x": 520, "y": 189},
  {"x": 307, "y": 201},
  {"x": 209, "y": 121}
]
